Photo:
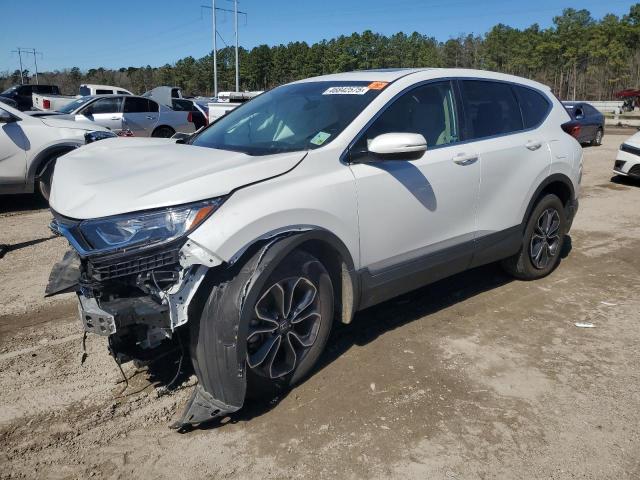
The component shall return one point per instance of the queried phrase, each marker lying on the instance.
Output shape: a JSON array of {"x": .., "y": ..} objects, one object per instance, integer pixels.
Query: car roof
[{"x": 393, "y": 74}]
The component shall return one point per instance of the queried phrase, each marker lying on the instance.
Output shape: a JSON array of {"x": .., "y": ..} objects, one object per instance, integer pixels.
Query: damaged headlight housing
[{"x": 146, "y": 228}]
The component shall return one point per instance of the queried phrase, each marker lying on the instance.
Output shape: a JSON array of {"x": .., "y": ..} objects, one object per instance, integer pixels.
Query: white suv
[
  {"x": 319, "y": 198},
  {"x": 30, "y": 146}
]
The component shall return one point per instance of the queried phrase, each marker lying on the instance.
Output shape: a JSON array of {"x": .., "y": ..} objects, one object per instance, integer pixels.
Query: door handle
[
  {"x": 149, "y": 117},
  {"x": 465, "y": 158},
  {"x": 115, "y": 118},
  {"x": 533, "y": 145}
]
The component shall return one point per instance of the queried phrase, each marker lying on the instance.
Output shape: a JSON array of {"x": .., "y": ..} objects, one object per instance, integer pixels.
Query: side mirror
[
  {"x": 6, "y": 117},
  {"x": 181, "y": 137},
  {"x": 398, "y": 144}
]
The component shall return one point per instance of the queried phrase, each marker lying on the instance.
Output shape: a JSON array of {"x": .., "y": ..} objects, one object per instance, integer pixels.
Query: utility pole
[
  {"x": 31, "y": 51},
  {"x": 20, "y": 57},
  {"x": 235, "y": 14},
  {"x": 215, "y": 50},
  {"x": 36, "y": 64}
]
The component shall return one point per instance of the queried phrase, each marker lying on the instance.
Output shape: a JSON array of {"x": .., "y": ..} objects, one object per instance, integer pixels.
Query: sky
[{"x": 122, "y": 33}]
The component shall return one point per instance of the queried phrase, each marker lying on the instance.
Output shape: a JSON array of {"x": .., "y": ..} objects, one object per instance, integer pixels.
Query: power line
[{"x": 29, "y": 51}]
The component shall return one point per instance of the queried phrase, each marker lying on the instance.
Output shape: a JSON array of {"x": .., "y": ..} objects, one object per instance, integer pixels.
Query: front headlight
[
  {"x": 146, "y": 228},
  {"x": 91, "y": 137}
]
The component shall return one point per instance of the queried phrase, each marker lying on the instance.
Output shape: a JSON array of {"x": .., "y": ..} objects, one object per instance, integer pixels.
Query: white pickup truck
[
  {"x": 47, "y": 103},
  {"x": 228, "y": 101}
]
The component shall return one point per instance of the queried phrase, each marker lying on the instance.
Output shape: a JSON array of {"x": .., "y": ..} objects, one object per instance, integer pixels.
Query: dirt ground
[{"x": 477, "y": 376}]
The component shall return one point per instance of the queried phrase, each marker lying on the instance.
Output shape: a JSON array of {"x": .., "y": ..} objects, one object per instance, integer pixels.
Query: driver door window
[
  {"x": 104, "y": 105},
  {"x": 428, "y": 110}
]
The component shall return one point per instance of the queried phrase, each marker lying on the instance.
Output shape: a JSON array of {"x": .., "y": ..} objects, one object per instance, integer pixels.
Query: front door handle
[
  {"x": 465, "y": 158},
  {"x": 533, "y": 145},
  {"x": 150, "y": 117},
  {"x": 115, "y": 118}
]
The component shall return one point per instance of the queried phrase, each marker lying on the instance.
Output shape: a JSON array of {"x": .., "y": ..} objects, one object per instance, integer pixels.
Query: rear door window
[
  {"x": 103, "y": 92},
  {"x": 491, "y": 108},
  {"x": 534, "y": 106},
  {"x": 136, "y": 105}
]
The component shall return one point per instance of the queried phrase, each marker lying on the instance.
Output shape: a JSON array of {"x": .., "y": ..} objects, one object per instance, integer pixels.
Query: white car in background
[
  {"x": 30, "y": 146},
  {"x": 127, "y": 115},
  {"x": 244, "y": 243},
  {"x": 628, "y": 160}
]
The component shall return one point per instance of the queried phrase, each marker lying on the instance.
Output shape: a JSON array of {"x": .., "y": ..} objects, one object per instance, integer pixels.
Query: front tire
[
  {"x": 597, "y": 140},
  {"x": 45, "y": 178},
  {"x": 542, "y": 242},
  {"x": 163, "y": 132}
]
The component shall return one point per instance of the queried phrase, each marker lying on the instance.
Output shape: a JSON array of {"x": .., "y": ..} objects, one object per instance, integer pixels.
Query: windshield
[
  {"x": 70, "y": 107},
  {"x": 291, "y": 118}
]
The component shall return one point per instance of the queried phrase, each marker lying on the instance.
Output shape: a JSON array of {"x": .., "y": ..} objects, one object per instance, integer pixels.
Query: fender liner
[
  {"x": 36, "y": 164},
  {"x": 233, "y": 288}
]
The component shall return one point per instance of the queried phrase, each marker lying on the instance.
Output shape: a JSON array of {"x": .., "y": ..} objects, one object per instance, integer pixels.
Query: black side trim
[
  {"x": 398, "y": 279},
  {"x": 629, "y": 149},
  {"x": 496, "y": 246}
]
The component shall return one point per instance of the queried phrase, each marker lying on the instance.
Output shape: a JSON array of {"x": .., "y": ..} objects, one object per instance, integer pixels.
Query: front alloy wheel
[{"x": 285, "y": 326}]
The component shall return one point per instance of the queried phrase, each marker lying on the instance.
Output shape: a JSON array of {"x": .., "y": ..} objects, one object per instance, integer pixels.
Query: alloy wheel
[
  {"x": 284, "y": 327},
  {"x": 545, "y": 241}
]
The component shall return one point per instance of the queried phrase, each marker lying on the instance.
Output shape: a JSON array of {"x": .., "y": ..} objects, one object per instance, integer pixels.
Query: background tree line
[{"x": 577, "y": 56}]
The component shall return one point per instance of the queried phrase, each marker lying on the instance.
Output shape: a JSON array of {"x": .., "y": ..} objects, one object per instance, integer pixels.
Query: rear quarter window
[
  {"x": 534, "y": 106},
  {"x": 491, "y": 108}
]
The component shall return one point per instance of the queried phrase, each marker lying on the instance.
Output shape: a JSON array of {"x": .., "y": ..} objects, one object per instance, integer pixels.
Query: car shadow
[
  {"x": 373, "y": 322},
  {"x": 376, "y": 321},
  {"x": 6, "y": 248},
  {"x": 22, "y": 202}
]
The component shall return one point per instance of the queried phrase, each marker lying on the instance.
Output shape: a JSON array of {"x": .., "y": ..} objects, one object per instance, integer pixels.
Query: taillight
[
  {"x": 46, "y": 104},
  {"x": 572, "y": 128},
  {"x": 190, "y": 117}
]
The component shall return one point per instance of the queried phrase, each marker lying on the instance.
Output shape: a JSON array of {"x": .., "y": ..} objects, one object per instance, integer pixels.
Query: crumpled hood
[
  {"x": 123, "y": 175},
  {"x": 634, "y": 141}
]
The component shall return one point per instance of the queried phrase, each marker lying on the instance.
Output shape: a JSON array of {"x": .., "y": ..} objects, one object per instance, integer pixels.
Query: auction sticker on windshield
[
  {"x": 320, "y": 138},
  {"x": 346, "y": 91}
]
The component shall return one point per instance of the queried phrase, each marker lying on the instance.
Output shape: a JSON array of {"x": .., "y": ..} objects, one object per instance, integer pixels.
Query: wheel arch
[
  {"x": 327, "y": 248},
  {"x": 44, "y": 156},
  {"x": 558, "y": 184}
]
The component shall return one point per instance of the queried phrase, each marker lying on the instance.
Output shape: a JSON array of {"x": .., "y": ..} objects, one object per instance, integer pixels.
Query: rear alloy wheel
[
  {"x": 545, "y": 241},
  {"x": 597, "y": 140},
  {"x": 542, "y": 241},
  {"x": 163, "y": 132}
]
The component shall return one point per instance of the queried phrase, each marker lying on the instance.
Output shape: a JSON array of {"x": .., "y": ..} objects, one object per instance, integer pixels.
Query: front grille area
[
  {"x": 107, "y": 270},
  {"x": 635, "y": 170},
  {"x": 629, "y": 149},
  {"x": 619, "y": 165}
]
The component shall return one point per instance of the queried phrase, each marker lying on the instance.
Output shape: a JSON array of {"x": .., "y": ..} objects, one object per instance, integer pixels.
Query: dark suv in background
[
  {"x": 22, "y": 94},
  {"x": 591, "y": 122}
]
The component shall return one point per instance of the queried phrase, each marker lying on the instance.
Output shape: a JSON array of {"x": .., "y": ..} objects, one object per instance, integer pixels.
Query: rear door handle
[
  {"x": 149, "y": 117},
  {"x": 533, "y": 145},
  {"x": 465, "y": 158},
  {"x": 115, "y": 118}
]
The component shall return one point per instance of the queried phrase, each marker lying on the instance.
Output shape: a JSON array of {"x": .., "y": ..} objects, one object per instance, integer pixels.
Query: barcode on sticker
[{"x": 346, "y": 91}]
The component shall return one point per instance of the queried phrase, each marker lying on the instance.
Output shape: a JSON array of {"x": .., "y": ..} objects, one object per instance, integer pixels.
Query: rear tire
[
  {"x": 163, "y": 132},
  {"x": 542, "y": 242},
  {"x": 597, "y": 140}
]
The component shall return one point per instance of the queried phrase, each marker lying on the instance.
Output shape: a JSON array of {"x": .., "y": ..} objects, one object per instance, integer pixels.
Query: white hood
[
  {"x": 122, "y": 175},
  {"x": 634, "y": 141},
  {"x": 67, "y": 122}
]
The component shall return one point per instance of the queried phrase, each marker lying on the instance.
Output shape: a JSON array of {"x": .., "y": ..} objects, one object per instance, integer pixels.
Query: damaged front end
[{"x": 138, "y": 293}]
